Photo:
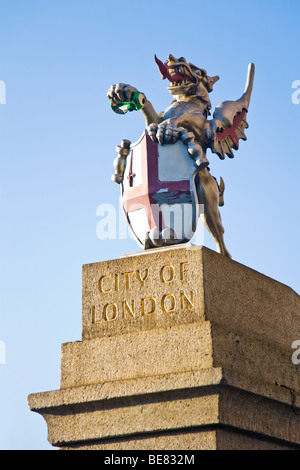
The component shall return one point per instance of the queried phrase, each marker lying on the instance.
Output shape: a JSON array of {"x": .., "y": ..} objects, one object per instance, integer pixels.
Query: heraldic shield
[{"x": 159, "y": 197}]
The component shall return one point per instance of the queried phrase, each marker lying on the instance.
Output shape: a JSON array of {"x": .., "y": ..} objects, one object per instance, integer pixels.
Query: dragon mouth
[
  {"x": 178, "y": 73},
  {"x": 180, "y": 76}
]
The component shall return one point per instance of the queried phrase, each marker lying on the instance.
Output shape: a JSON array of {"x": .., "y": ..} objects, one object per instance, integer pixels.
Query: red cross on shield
[{"x": 158, "y": 190}]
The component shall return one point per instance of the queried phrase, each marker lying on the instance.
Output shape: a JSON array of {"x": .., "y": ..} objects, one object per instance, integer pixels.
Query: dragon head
[{"x": 186, "y": 79}]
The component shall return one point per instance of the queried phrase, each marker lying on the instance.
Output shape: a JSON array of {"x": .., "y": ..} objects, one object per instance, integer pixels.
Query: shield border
[{"x": 195, "y": 205}]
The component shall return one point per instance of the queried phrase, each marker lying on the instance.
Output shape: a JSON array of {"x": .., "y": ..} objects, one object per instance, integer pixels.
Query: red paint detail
[
  {"x": 163, "y": 68},
  {"x": 131, "y": 175},
  {"x": 176, "y": 77},
  {"x": 230, "y": 131},
  {"x": 143, "y": 196}
]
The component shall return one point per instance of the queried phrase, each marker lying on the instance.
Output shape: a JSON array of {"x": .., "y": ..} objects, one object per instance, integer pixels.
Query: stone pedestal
[{"x": 181, "y": 349}]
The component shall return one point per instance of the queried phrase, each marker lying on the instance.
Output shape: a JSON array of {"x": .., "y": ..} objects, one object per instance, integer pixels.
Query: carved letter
[
  {"x": 103, "y": 291},
  {"x": 142, "y": 280},
  {"x": 114, "y": 312},
  {"x": 183, "y": 298},
  {"x": 93, "y": 315},
  {"x": 182, "y": 270},
  {"x": 116, "y": 282},
  {"x": 152, "y": 306},
  {"x": 126, "y": 307},
  {"x": 127, "y": 279},
  {"x": 163, "y": 305},
  {"x": 171, "y": 274}
]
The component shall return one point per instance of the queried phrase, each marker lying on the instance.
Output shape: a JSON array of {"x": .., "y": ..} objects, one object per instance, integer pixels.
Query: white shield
[{"x": 158, "y": 192}]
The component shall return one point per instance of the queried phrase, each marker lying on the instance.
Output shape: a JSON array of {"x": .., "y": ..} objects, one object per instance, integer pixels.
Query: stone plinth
[{"x": 183, "y": 349}]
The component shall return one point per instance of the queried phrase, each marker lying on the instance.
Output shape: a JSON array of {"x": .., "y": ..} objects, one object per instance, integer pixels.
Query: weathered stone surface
[
  {"x": 142, "y": 292},
  {"x": 187, "y": 401},
  {"x": 181, "y": 348},
  {"x": 199, "y": 439},
  {"x": 135, "y": 355},
  {"x": 185, "y": 285},
  {"x": 203, "y": 439}
]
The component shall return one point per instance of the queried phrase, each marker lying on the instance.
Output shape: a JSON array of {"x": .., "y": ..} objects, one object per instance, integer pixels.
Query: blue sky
[{"x": 57, "y": 146}]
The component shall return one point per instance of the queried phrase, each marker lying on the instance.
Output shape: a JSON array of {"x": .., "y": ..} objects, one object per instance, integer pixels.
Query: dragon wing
[{"x": 229, "y": 121}]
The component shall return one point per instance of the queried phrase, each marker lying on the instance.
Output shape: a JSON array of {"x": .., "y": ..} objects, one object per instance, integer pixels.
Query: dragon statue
[{"x": 187, "y": 119}]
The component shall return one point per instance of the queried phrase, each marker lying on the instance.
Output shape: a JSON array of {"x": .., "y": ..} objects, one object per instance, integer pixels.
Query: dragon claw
[
  {"x": 164, "y": 133},
  {"x": 151, "y": 131}
]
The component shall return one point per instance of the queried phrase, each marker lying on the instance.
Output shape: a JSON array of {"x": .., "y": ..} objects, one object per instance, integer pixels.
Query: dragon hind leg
[
  {"x": 215, "y": 227},
  {"x": 209, "y": 195},
  {"x": 221, "y": 187}
]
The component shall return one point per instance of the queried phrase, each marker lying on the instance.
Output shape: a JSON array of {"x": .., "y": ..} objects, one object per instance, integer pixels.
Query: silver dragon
[{"x": 189, "y": 113}]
